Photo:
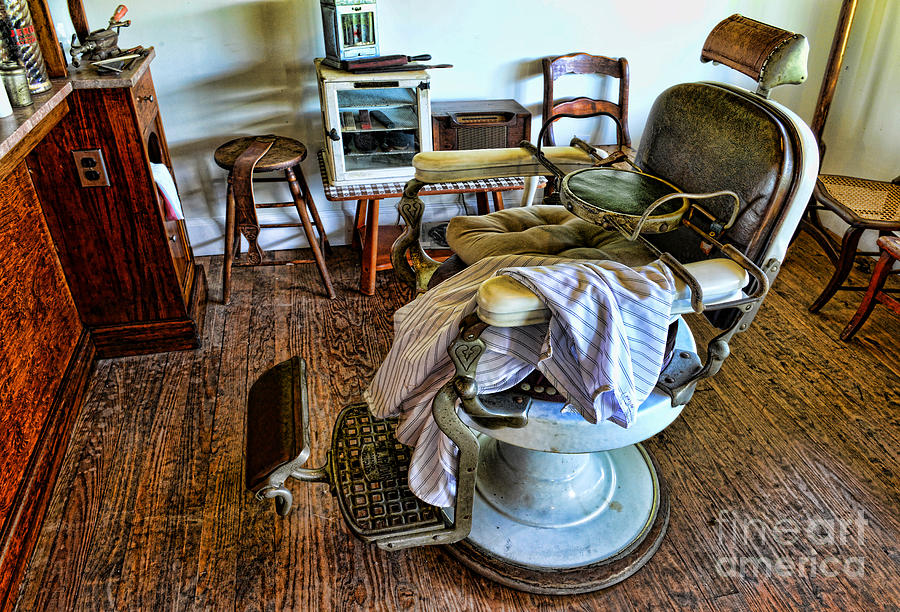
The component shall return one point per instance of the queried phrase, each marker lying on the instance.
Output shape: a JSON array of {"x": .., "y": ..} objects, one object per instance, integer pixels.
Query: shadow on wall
[{"x": 241, "y": 86}]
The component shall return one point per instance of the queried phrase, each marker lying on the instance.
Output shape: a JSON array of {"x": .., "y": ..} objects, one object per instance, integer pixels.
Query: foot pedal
[
  {"x": 369, "y": 467},
  {"x": 366, "y": 466},
  {"x": 277, "y": 443}
]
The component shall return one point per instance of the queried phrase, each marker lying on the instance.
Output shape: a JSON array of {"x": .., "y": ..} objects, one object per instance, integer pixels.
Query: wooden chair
[
  {"x": 890, "y": 253},
  {"x": 243, "y": 158},
  {"x": 861, "y": 203},
  {"x": 583, "y": 63}
]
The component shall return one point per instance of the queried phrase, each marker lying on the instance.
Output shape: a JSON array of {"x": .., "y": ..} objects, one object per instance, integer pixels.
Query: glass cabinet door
[
  {"x": 379, "y": 127},
  {"x": 374, "y": 123}
]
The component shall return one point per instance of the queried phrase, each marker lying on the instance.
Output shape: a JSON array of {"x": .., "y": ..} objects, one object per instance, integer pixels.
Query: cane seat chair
[
  {"x": 862, "y": 204},
  {"x": 545, "y": 501}
]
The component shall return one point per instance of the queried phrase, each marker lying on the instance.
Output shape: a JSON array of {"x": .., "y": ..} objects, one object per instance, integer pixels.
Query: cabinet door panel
[{"x": 40, "y": 329}]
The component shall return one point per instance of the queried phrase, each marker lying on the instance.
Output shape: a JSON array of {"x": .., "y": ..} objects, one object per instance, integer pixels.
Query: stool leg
[
  {"x": 311, "y": 205},
  {"x": 849, "y": 243},
  {"x": 310, "y": 235},
  {"x": 879, "y": 276},
  {"x": 230, "y": 235},
  {"x": 497, "y": 196}
]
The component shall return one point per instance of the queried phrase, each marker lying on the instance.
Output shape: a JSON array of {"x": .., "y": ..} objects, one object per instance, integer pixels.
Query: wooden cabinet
[
  {"x": 130, "y": 269},
  {"x": 47, "y": 355}
]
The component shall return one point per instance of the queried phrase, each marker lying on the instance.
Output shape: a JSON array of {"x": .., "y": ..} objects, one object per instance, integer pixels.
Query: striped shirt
[{"x": 602, "y": 349}]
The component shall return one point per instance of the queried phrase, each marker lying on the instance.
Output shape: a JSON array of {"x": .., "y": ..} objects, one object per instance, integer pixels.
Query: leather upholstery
[
  {"x": 449, "y": 166},
  {"x": 703, "y": 137}
]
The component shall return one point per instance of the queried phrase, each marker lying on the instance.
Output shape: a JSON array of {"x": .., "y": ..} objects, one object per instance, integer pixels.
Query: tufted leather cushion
[{"x": 539, "y": 230}]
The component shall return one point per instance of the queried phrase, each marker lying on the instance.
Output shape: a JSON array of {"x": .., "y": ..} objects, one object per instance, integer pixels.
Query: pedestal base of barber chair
[{"x": 554, "y": 523}]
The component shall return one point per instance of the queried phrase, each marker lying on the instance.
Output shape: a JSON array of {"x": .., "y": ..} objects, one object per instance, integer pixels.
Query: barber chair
[{"x": 545, "y": 501}]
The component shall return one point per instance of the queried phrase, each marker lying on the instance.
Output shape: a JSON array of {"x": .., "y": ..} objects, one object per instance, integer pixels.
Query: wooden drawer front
[{"x": 145, "y": 100}]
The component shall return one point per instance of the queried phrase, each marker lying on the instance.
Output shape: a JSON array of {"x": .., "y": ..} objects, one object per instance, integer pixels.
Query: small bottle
[{"x": 16, "y": 84}]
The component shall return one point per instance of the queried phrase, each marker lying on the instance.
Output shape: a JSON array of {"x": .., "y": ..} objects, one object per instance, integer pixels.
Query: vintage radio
[{"x": 479, "y": 124}]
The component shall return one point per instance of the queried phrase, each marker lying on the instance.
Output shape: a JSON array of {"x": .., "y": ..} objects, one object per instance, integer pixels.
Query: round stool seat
[{"x": 285, "y": 153}]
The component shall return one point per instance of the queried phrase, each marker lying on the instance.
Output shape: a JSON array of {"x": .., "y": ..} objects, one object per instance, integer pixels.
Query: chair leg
[
  {"x": 307, "y": 228},
  {"x": 230, "y": 237},
  {"x": 842, "y": 269},
  {"x": 879, "y": 276},
  {"x": 810, "y": 227},
  {"x": 359, "y": 224},
  {"x": 311, "y": 205}
]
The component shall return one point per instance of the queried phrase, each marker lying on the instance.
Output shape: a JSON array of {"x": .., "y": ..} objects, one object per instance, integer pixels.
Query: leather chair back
[{"x": 705, "y": 137}]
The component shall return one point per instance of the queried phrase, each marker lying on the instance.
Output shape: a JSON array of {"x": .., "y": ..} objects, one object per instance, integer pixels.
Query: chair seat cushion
[{"x": 540, "y": 230}]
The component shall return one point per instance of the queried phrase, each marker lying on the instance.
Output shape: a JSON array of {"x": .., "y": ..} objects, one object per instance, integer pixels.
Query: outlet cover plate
[{"x": 91, "y": 168}]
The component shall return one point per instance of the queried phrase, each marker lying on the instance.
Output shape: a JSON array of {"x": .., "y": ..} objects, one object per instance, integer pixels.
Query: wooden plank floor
[{"x": 799, "y": 432}]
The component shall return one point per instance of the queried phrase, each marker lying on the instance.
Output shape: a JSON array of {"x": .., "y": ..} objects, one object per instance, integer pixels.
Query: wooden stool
[
  {"x": 890, "y": 252},
  {"x": 244, "y": 156}
]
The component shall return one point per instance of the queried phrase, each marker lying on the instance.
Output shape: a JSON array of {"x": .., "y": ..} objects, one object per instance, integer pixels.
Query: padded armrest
[
  {"x": 450, "y": 166},
  {"x": 503, "y": 302}
]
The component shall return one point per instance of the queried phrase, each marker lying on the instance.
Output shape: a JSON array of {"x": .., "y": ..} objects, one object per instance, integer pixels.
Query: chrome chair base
[{"x": 555, "y": 523}]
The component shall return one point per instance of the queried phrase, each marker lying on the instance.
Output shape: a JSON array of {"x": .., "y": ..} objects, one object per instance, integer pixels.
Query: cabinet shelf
[
  {"x": 376, "y": 98},
  {"x": 403, "y": 118}
]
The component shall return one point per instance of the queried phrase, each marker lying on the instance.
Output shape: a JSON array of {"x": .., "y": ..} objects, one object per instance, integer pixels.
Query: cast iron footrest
[{"x": 369, "y": 467}]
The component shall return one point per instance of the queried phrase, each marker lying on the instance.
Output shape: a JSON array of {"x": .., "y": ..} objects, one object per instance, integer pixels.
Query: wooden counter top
[
  {"x": 20, "y": 132},
  {"x": 15, "y": 129}
]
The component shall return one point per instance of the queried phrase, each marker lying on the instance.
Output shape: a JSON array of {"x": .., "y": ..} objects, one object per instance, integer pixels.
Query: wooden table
[{"x": 375, "y": 241}]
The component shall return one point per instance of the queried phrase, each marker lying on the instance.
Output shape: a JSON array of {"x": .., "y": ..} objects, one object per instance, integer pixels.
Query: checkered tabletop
[{"x": 395, "y": 190}]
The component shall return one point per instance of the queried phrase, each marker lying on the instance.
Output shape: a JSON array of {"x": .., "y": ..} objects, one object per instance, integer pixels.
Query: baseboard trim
[
  {"x": 144, "y": 338},
  {"x": 207, "y": 233},
  {"x": 22, "y": 527}
]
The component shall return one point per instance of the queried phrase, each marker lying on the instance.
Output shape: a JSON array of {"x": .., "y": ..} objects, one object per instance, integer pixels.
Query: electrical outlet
[{"x": 91, "y": 168}]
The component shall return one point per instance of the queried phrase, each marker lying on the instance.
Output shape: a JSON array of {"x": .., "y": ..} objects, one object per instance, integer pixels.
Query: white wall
[{"x": 230, "y": 67}]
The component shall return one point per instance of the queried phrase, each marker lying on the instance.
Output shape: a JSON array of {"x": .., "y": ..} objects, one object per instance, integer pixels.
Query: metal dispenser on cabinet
[{"x": 350, "y": 28}]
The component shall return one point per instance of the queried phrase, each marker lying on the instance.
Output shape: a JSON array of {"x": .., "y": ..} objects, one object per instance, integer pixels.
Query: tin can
[
  {"x": 21, "y": 37},
  {"x": 16, "y": 84}
]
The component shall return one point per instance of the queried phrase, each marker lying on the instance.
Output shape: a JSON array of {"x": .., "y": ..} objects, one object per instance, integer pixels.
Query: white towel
[
  {"x": 167, "y": 191},
  {"x": 603, "y": 349}
]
